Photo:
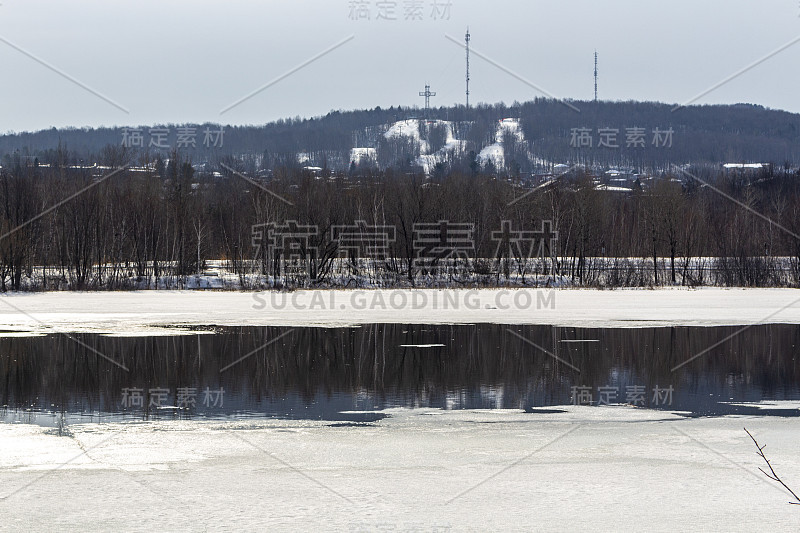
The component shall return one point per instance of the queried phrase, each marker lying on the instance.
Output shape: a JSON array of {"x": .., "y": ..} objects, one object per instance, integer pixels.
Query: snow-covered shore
[
  {"x": 148, "y": 312},
  {"x": 584, "y": 468}
]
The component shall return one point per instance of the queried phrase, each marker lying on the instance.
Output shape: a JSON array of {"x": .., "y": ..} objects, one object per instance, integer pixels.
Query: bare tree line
[{"x": 159, "y": 227}]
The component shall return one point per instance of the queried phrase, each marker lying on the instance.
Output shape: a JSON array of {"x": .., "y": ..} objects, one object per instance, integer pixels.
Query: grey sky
[{"x": 174, "y": 61}]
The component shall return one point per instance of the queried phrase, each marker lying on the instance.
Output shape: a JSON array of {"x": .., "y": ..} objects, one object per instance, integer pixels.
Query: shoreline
[{"x": 166, "y": 312}]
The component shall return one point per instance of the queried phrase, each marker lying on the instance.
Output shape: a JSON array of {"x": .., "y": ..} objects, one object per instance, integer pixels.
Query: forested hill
[{"x": 530, "y": 137}]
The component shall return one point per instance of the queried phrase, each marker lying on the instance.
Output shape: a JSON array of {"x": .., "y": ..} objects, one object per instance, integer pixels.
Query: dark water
[{"x": 317, "y": 373}]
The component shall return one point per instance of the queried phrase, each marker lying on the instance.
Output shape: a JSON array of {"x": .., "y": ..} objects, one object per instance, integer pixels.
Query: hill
[{"x": 531, "y": 137}]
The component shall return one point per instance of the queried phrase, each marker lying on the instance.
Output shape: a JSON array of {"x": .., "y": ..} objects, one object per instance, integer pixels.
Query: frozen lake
[
  {"x": 396, "y": 427},
  {"x": 351, "y": 375}
]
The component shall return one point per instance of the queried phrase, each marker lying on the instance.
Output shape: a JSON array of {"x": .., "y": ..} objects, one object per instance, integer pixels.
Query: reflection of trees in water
[{"x": 482, "y": 362}]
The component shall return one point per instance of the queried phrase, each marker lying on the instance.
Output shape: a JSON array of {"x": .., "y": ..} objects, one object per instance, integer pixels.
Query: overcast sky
[{"x": 176, "y": 61}]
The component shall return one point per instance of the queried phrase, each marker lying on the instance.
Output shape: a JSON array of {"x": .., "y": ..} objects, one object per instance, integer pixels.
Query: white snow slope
[
  {"x": 411, "y": 128},
  {"x": 495, "y": 152}
]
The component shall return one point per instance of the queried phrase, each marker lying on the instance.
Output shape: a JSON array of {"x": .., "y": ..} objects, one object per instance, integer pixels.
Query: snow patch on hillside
[
  {"x": 418, "y": 131},
  {"x": 360, "y": 155},
  {"x": 512, "y": 126},
  {"x": 428, "y": 158},
  {"x": 495, "y": 153},
  {"x": 405, "y": 128}
]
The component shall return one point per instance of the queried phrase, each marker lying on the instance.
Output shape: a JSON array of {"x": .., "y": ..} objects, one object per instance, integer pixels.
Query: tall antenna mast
[
  {"x": 595, "y": 75},
  {"x": 467, "y": 39},
  {"x": 427, "y": 94}
]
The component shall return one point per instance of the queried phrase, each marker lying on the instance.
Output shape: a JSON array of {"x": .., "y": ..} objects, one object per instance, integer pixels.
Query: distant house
[{"x": 749, "y": 166}]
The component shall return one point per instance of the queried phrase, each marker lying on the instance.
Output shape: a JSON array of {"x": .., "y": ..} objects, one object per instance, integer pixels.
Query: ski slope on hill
[{"x": 418, "y": 132}]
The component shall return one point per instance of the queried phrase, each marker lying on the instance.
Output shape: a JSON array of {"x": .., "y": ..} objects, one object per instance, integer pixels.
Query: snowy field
[
  {"x": 583, "y": 469},
  {"x": 148, "y": 312}
]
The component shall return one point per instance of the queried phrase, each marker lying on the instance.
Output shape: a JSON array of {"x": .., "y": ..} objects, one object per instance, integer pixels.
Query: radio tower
[
  {"x": 467, "y": 39},
  {"x": 595, "y": 75},
  {"x": 427, "y": 94}
]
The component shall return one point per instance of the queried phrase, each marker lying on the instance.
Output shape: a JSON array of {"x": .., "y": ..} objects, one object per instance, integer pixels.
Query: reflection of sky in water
[{"x": 319, "y": 373}]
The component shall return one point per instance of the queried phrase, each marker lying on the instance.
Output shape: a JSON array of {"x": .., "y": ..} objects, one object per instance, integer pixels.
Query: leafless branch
[{"x": 773, "y": 476}]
